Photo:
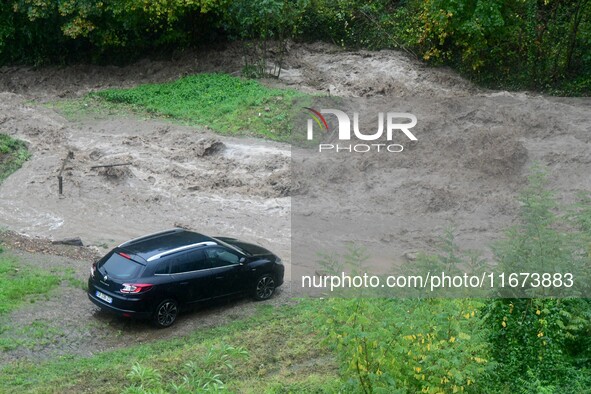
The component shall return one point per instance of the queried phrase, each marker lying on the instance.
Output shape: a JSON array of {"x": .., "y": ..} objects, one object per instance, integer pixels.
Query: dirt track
[{"x": 474, "y": 151}]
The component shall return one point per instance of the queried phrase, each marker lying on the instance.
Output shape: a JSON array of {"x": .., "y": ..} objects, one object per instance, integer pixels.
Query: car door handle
[
  {"x": 219, "y": 277},
  {"x": 184, "y": 283}
]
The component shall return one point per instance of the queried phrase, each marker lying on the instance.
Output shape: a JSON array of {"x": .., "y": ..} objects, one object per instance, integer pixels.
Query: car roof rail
[
  {"x": 144, "y": 237},
  {"x": 179, "y": 249}
]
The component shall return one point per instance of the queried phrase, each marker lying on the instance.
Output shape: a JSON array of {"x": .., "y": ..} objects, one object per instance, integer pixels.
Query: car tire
[
  {"x": 264, "y": 287},
  {"x": 166, "y": 313}
]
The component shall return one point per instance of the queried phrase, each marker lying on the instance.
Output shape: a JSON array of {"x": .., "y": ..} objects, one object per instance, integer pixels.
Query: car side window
[
  {"x": 187, "y": 262},
  {"x": 220, "y": 257}
]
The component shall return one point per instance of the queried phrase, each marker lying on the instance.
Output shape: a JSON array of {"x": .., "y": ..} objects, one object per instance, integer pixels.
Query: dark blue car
[{"x": 156, "y": 275}]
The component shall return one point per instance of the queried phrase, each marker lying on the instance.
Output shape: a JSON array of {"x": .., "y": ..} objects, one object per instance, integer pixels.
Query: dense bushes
[
  {"x": 543, "y": 341},
  {"x": 530, "y": 43},
  {"x": 536, "y": 44},
  {"x": 409, "y": 346},
  {"x": 35, "y": 31}
]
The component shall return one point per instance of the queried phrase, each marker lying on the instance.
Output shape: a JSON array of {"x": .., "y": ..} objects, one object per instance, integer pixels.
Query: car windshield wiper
[{"x": 102, "y": 271}]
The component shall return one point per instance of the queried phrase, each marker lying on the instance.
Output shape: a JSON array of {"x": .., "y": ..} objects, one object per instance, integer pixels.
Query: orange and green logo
[{"x": 317, "y": 116}]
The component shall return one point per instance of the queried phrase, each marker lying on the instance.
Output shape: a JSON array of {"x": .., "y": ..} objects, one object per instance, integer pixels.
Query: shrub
[{"x": 400, "y": 346}]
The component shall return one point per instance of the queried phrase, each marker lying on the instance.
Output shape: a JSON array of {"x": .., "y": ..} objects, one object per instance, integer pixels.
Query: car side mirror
[{"x": 242, "y": 260}]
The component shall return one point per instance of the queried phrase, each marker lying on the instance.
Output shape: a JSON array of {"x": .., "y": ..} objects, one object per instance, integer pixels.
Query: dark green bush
[
  {"x": 108, "y": 30},
  {"x": 534, "y": 44},
  {"x": 542, "y": 344},
  {"x": 13, "y": 153}
]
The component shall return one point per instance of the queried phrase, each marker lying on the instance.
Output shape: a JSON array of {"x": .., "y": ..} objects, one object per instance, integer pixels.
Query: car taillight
[
  {"x": 136, "y": 287},
  {"x": 93, "y": 269},
  {"x": 128, "y": 257}
]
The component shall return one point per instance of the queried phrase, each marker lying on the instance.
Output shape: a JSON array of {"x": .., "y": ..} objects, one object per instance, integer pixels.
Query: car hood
[{"x": 249, "y": 248}]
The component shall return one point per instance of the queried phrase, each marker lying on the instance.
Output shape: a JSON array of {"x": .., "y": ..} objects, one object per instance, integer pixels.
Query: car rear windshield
[{"x": 119, "y": 267}]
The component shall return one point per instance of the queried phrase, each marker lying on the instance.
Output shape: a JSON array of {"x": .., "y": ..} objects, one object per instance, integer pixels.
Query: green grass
[
  {"x": 224, "y": 103},
  {"x": 280, "y": 353},
  {"x": 13, "y": 153},
  {"x": 18, "y": 283},
  {"x": 38, "y": 334}
]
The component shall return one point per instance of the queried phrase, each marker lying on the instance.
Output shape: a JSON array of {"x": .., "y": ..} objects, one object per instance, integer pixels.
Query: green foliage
[
  {"x": 400, "y": 346},
  {"x": 313, "y": 384},
  {"x": 284, "y": 355},
  {"x": 406, "y": 345},
  {"x": 222, "y": 102},
  {"x": 531, "y": 43},
  {"x": 13, "y": 153},
  {"x": 368, "y": 24},
  {"x": 36, "y": 31},
  {"x": 264, "y": 26},
  {"x": 544, "y": 340},
  {"x": 199, "y": 375},
  {"x": 18, "y": 283},
  {"x": 546, "y": 239}
]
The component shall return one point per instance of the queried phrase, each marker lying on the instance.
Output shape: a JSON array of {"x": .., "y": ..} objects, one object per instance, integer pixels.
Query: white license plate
[{"x": 104, "y": 297}]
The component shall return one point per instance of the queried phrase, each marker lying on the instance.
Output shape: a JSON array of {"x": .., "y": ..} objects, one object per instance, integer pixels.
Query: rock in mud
[
  {"x": 116, "y": 173},
  {"x": 208, "y": 147},
  {"x": 280, "y": 182},
  {"x": 76, "y": 241}
]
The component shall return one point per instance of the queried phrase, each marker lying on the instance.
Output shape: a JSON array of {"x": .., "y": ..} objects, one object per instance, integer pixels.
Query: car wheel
[
  {"x": 264, "y": 288},
  {"x": 166, "y": 313}
]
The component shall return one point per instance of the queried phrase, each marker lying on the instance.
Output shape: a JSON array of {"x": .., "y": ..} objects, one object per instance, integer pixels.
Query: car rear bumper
[{"x": 118, "y": 311}]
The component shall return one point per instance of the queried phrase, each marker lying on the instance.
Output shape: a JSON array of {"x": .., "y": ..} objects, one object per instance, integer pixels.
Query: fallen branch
[{"x": 111, "y": 165}]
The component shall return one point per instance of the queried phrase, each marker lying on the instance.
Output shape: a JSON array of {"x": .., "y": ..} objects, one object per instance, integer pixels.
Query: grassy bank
[
  {"x": 13, "y": 153},
  {"x": 224, "y": 103},
  {"x": 18, "y": 283},
  {"x": 275, "y": 351},
  {"x": 328, "y": 346},
  {"x": 21, "y": 284}
]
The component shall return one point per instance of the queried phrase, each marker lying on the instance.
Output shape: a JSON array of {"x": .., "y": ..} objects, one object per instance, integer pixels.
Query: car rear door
[{"x": 191, "y": 276}]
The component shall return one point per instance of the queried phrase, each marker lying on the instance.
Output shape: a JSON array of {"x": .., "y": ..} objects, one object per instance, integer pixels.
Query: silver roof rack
[
  {"x": 171, "y": 251},
  {"x": 169, "y": 231}
]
